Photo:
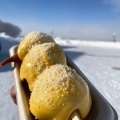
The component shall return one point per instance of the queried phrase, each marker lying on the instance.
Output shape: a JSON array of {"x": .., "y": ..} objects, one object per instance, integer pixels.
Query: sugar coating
[
  {"x": 31, "y": 39},
  {"x": 39, "y": 57},
  {"x": 57, "y": 92}
]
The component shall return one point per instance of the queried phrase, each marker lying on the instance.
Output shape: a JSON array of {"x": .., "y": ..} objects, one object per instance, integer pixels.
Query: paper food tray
[{"x": 100, "y": 110}]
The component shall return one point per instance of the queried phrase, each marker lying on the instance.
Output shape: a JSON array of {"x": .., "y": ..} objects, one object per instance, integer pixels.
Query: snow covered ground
[{"x": 99, "y": 61}]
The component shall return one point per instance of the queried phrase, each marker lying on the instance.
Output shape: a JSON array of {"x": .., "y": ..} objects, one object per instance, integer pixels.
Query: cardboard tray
[{"x": 100, "y": 110}]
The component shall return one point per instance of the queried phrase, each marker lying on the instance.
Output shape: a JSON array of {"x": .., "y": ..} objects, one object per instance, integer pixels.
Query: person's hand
[{"x": 13, "y": 94}]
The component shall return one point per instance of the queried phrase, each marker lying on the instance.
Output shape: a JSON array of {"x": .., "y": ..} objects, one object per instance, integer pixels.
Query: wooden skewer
[
  {"x": 14, "y": 58},
  {"x": 75, "y": 116}
]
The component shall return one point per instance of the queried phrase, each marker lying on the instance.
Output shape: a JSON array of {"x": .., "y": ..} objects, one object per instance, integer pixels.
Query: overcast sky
[{"x": 80, "y": 19}]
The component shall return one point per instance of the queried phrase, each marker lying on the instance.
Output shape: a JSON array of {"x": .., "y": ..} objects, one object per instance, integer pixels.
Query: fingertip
[{"x": 13, "y": 94}]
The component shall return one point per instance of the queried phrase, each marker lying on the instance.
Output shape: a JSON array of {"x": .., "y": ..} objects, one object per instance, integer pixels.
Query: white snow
[
  {"x": 105, "y": 44},
  {"x": 98, "y": 60}
]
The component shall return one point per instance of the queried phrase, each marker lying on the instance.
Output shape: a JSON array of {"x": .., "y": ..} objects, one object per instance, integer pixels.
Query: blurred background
[
  {"x": 74, "y": 19},
  {"x": 87, "y": 30}
]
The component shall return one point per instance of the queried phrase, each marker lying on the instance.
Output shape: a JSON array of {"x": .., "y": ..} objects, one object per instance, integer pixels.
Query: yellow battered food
[
  {"x": 38, "y": 58},
  {"x": 57, "y": 92},
  {"x": 56, "y": 89},
  {"x": 30, "y": 40}
]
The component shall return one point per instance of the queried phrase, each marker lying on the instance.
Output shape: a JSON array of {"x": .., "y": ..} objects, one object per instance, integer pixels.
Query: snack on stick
[
  {"x": 30, "y": 40},
  {"x": 57, "y": 92},
  {"x": 38, "y": 58}
]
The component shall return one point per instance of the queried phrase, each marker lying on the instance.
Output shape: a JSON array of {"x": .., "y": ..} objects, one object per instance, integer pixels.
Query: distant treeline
[{"x": 9, "y": 29}]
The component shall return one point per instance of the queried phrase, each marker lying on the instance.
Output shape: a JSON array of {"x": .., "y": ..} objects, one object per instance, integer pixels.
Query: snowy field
[{"x": 99, "y": 61}]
